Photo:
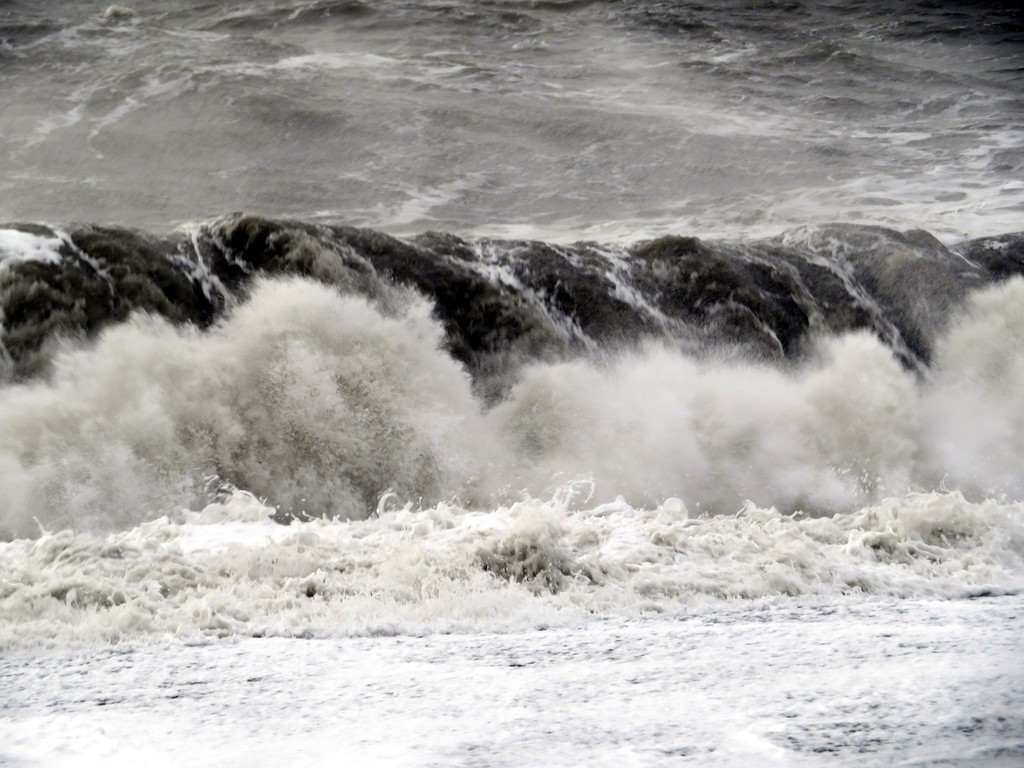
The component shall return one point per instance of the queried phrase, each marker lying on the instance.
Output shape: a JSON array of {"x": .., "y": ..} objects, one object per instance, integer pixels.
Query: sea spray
[
  {"x": 321, "y": 403},
  {"x": 316, "y": 401}
]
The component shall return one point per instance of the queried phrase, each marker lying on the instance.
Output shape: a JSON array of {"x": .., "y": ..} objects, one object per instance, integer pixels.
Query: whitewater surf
[{"x": 586, "y": 383}]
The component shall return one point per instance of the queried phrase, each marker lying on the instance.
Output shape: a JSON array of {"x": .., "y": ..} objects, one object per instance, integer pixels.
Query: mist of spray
[{"x": 322, "y": 403}]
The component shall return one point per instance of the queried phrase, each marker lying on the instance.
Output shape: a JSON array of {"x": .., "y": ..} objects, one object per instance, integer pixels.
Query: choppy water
[{"x": 548, "y": 119}]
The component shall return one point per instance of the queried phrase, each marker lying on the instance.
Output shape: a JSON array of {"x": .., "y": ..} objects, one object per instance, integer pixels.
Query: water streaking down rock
[{"x": 504, "y": 302}]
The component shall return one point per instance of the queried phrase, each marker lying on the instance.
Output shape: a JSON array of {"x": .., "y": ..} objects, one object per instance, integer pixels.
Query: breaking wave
[
  {"x": 227, "y": 570},
  {"x": 496, "y": 480}
]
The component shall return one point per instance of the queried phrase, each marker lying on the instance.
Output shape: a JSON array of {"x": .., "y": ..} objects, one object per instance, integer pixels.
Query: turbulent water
[
  {"x": 541, "y": 315},
  {"x": 566, "y": 118}
]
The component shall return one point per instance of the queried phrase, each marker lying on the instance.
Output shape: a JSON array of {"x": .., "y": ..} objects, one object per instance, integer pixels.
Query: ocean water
[
  {"x": 584, "y": 382},
  {"x": 602, "y": 120},
  {"x": 850, "y": 683}
]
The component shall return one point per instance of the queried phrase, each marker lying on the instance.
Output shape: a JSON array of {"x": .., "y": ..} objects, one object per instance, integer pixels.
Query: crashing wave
[
  {"x": 501, "y": 302},
  {"x": 229, "y": 571}
]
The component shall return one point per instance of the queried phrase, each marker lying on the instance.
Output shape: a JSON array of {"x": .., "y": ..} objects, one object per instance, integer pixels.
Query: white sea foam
[
  {"x": 973, "y": 413},
  {"x": 315, "y": 400},
  {"x": 658, "y": 424},
  {"x": 228, "y": 570},
  {"x": 844, "y": 683},
  {"x": 321, "y": 403},
  {"x": 18, "y": 246}
]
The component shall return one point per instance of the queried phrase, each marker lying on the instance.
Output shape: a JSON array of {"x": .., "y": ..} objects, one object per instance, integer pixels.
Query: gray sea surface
[{"x": 562, "y": 119}]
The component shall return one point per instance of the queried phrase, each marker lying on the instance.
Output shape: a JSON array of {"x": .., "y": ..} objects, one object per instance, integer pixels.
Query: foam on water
[
  {"x": 847, "y": 683},
  {"x": 228, "y": 570},
  {"x": 973, "y": 414},
  {"x": 325, "y": 404},
  {"x": 322, "y": 403},
  {"x": 17, "y": 246},
  {"x": 829, "y": 437},
  {"x": 318, "y": 401}
]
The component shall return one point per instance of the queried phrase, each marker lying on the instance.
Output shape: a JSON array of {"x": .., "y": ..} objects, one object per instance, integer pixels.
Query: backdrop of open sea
[{"x": 563, "y": 120}]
